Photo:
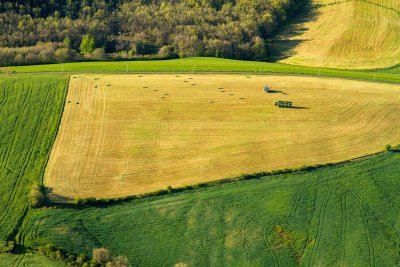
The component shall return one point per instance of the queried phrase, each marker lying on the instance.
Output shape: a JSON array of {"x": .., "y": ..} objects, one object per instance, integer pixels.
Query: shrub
[
  {"x": 388, "y": 147},
  {"x": 119, "y": 261},
  {"x": 101, "y": 255},
  {"x": 7, "y": 246},
  {"x": 36, "y": 196}
]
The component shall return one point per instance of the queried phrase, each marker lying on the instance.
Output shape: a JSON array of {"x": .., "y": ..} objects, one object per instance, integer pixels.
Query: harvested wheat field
[
  {"x": 130, "y": 134},
  {"x": 344, "y": 34}
]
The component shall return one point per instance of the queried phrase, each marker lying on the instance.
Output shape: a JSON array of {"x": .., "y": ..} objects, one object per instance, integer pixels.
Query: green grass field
[
  {"x": 30, "y": 110},
  {"x": 346, "y": 215},
  {"x": 28, "y": 259},
  {"x": 203, "y": 65}
]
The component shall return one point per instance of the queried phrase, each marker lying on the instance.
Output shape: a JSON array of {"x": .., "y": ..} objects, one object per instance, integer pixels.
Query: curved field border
[{"x": 203, "y": 65}]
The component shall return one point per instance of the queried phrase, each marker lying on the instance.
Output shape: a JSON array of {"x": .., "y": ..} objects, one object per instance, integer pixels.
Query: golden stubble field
[
  {"x": 132, "y": 134},
  {"x": 345, "y": 34}
]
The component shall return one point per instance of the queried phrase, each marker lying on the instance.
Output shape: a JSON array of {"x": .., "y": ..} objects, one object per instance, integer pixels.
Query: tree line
[{"x": 36, "y": 31}]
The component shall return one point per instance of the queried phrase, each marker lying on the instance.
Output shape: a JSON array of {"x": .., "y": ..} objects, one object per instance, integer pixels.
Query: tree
[
  {"x": 259, "y": 48},
  {"x": 62, "y": 55},
  {"x": 99, "y": 54},
  {"x": 87, "y": 45},
  {"x": 36, "y": 197},
  {"x": 167, "y": 52}
]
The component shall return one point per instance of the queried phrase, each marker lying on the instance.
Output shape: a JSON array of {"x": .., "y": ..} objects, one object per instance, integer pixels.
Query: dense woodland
[{"x": 38, "y": 31}]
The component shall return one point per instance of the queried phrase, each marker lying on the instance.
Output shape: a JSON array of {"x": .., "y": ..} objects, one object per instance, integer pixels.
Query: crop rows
[{"x": 30, "y": 108}]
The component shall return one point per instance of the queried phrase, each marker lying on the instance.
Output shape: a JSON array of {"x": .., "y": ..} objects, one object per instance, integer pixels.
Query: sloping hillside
[
  {"x": 344, "y": 34},
  {"x": 346, "y": 215}
]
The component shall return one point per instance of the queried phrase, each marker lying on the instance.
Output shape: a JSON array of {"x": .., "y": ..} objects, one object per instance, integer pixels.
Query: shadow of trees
[{"x": 281, "y": 44}]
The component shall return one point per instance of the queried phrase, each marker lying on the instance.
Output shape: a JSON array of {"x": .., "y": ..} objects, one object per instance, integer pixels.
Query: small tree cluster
[{"x": 103, "y": 257}]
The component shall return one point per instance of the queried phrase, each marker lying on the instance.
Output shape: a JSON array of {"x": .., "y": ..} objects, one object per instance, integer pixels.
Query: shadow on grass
[
  {"x": 298, "y": 107},
  {"x": 57, "y": 197},
  {"x": 282, "y": 45},
  {"x": 270, "y": 91}
]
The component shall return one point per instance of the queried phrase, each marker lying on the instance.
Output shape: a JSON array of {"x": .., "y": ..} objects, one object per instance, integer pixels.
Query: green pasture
[
  {"x": 202, "y": 64},
  {"x": 30, "y": 110},
  {"x": 28, "y": 259},
  {"x": 345, "y": 215}
]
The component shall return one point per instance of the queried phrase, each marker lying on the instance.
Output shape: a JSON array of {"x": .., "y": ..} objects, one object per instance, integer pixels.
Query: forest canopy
[{"x": 36, "y": 31}]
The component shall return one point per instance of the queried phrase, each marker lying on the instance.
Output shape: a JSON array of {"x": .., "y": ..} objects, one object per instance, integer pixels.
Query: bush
[
  {"x": 7, "y": 246},
  {"x": 101, "y": 255},
  {"x": 119, "y": 261},
  {"x": 388, "y": 147},
  {"x": 37, "y": 197}
]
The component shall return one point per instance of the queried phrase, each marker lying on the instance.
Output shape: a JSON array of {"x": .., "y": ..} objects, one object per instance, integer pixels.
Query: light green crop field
[
  {"x": 34, "y": 260},
  {"x": 30, "y": 111},
  {"x": 346, "y": 215},
  {"x": 202, "y": 65},
  {"x": 344, "y": 34}
]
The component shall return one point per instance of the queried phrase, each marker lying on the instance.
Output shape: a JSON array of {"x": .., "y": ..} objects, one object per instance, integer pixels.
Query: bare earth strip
[
  {"x": 130, "y": 134},
  {"x": 345, "y": 34}
]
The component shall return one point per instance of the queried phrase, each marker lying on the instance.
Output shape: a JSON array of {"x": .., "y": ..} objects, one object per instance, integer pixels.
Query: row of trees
[{"x": 127, "y": 29}]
